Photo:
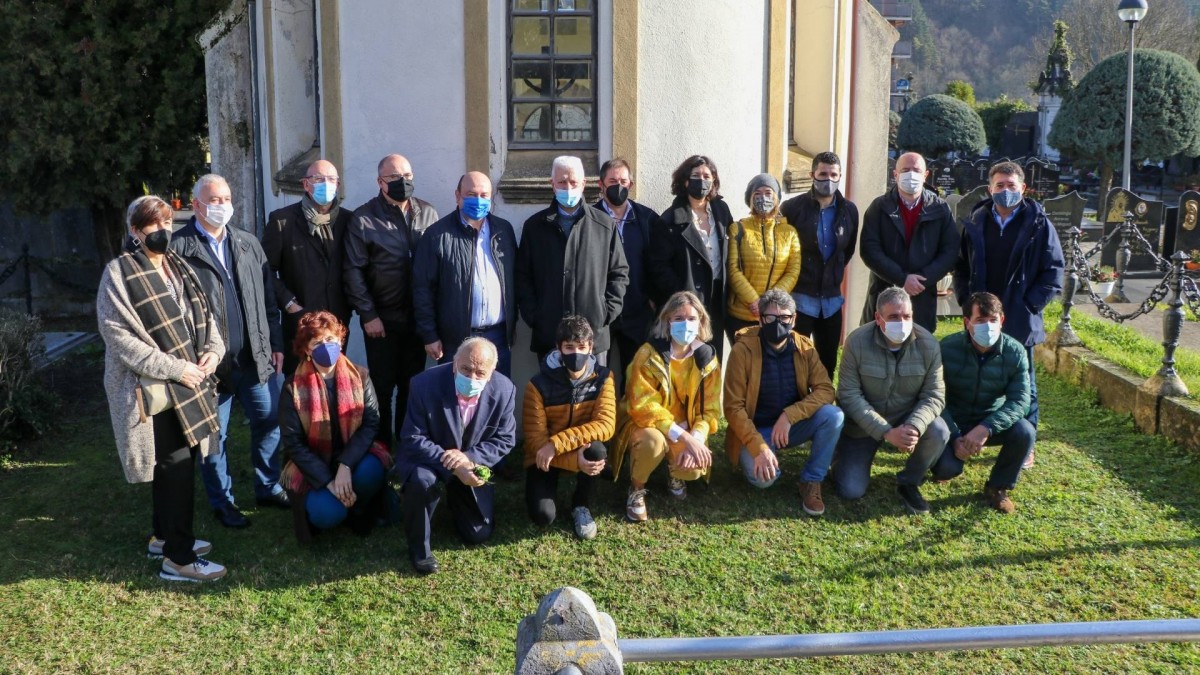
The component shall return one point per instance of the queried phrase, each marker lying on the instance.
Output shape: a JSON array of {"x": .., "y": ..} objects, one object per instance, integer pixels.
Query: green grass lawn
[{"x": 1106, "y": 528}]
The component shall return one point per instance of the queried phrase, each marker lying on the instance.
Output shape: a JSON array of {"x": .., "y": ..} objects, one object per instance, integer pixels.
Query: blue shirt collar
[{"x": 212, "y": 241}]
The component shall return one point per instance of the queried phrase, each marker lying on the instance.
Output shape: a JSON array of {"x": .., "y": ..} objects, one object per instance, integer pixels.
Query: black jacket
[
  {"x": 254, "y": 277},
  {"x": 304, "y": 270},
  {"x": 583, "y": 274},
  {"x": 636, "y": 310},
  {"x": 932, "y": 253},
  {"x": 380, "y": 246},
  {"x": 444, "y": 272},
  {"x": 679, "y": 260},
  {"x": 293, "y": 438},
  {"x": 821, "y": 278}
]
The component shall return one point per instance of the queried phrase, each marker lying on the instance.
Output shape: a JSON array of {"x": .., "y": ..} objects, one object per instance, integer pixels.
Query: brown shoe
[
  {"x": 998, "y": 499},
  {"x": 810, "y": 496}
]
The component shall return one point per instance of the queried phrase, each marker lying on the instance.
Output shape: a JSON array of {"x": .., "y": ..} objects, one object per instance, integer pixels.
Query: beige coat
[{"x": 129, "y": 353}]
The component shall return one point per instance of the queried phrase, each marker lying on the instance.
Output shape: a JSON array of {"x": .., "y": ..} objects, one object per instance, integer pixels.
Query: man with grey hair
[
  {"x": 778, "y": 395},
  {"x": 459, "y": 424},
  {"x": 570, "y": 261},
  {"x": 381, "y": 243},
  {"x": 236, "y": 278},
  {"x": 891, "y": 390}
]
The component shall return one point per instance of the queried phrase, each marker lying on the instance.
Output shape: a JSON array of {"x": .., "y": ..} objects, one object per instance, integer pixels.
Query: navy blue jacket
[
  {"x": 432, "y": 423},
  {"x": 443, "y": 275},
  {"x": 636, "y": 311},
  {"x": 1034, "y": 271}
]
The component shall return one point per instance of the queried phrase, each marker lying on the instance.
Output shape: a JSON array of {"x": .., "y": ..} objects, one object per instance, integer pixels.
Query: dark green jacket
[{"x": 992, "y": 390}]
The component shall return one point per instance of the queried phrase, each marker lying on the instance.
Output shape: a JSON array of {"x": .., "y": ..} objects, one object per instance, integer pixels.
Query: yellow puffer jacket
[{"x": 763, "y": 254}]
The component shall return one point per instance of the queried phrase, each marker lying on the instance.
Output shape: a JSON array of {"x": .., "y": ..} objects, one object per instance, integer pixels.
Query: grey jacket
[{"x": 879, "y": 389}]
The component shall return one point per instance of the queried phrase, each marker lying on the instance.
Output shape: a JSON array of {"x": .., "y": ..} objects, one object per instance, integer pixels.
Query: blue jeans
[
  {"x": 855, "y": 455},
  {"x": 325, "y": 511},
  {"x": 1015, "y": 443},
  {"x": 261, "y": 408},
  {"x": 823, "y": 428}
]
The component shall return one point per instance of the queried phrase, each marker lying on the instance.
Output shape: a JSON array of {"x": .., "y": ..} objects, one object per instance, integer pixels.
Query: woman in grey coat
[{"x": 162, "y": 348}]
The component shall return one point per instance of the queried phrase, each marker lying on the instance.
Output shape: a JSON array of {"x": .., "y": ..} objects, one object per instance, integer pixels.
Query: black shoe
[
  {"x": 229, "y": 516},
  {"x": 425, "y": 566},
  {"x": 278, "y": 500},
  {"x": 913, "y": 501}
]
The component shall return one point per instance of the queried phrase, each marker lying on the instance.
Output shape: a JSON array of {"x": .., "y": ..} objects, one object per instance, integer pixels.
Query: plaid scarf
[
  {"x": 175, "y": 332},
  {"x": 312, "y": 405}
]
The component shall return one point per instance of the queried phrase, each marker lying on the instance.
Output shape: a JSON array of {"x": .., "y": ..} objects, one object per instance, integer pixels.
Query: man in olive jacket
[
  {"x": 987, "y": 396},
  {"x": 891, "y": 390}
]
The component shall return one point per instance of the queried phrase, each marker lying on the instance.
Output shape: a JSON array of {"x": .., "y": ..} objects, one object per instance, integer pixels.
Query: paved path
[{"x": 1149, "y": 324}]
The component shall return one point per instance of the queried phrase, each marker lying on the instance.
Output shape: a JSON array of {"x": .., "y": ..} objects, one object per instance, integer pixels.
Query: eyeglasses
[
  {"x": 772, "y": 318},
  {"x": 321, "y": 179},
  {"x": 395, "y": 176}
]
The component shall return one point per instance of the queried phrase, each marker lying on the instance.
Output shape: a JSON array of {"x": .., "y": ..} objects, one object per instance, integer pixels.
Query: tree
[
  {"x": 939, "y": 124},
  {"x": 961, "y": 90},
  {"x": 1166, "y": 97},
  {"x": 1097, "y": 32},
  {"x": 104, "y": 99},
  {"x": 893, "y": 127},
  {"x": 996, "y": 114}
]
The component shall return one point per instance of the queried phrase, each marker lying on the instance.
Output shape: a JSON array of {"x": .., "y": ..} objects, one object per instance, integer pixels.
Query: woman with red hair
[{"x": 328, "y": 419}]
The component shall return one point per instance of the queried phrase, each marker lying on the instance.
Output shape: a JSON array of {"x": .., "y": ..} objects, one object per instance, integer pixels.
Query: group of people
[{"x": 197, "y": 317}]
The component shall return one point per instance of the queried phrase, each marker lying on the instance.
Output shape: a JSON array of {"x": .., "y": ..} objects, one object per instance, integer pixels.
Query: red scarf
[{"x": 312, "y": 405}]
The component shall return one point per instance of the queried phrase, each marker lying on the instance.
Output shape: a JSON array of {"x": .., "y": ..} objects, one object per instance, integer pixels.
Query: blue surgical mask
[
  {"x": 568, "y": 198},
  {"x": 326, "y": 354},
  {"x": 468, "y": 387},
  {"x": 985, "y": 334},
  {"x": 324, "y": 193},
  {"x": 475, "y": 208},
  {"x": 1007, "y": 198},
  {"x": 684, "y": 332}
]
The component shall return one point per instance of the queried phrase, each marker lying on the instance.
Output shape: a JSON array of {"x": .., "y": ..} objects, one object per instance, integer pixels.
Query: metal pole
[
  {"x": 28, "y": 280},
  {"x": 906, "y": 641},
  {"x": 1123, "y": 256},
  {"x": 1125, "y": 174},
  {"x": 1166, "y": 381},
  {"x": 1065, "y": 335}
]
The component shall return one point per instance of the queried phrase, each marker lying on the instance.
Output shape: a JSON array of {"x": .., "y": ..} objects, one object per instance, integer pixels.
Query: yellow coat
[{"x": 763, "y": 254}]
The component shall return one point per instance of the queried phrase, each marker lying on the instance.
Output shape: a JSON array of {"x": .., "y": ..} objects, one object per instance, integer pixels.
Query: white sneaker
[
  {"x": 154, "y": 549},
  {"x": 1028, "y": 463},
  {"x": 635, "y": 506},
  {"x": 201, "y": 570},
  {"x": 677, "y": 488},
  {"x": 585, "y": 526}
]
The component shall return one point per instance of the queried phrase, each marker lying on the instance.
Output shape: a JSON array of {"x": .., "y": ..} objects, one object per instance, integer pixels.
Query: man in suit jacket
[
  {"x": 460, "y": 417},
  {"x": 304, "y": 243}
]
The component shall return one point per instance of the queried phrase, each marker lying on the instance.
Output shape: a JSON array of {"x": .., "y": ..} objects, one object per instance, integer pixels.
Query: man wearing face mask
[
  {"x": 304, "y": 243},
  {"x": 909, "y": 239},
  {"x": 381, "y": 243},
  {"x": 233, "y": 270},
  {"x": 463, "y": 276},
  {"x": 1011, "y": 250},
  {"x": 891, "y": 391},
  {"x": 570, "y": 261},
  {"x": 634, "y": 222},
  {"x": 778, "y": 395},
  {"x": 827, "y": 224},
  {"x": 460, "y": 421},
  {"x": 987, "y": 393}
]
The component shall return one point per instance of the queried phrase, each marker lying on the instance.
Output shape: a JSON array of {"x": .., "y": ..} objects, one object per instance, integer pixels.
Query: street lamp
[{"x": 1131, "y": 12}]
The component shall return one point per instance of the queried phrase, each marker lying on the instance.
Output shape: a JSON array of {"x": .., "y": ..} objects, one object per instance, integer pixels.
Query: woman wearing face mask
[
  {"x": 672, "y": 403},
  {"x": 764, "y": 253},
  {"x": 688, "y": 247},
  {"x": 161, "y": 349},
  {"x": 328, "y": 419}
]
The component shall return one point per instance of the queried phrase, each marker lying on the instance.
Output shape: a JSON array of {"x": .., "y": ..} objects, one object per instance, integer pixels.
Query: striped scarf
[
  {"x": 175, "y": 332},
  {"x": 312, "y": 405}
]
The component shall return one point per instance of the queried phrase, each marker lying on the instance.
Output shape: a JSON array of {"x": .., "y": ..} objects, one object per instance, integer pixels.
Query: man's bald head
[
  {"x": 395, "y": 164},
  {"x": 322, "y": 172},
  {"x": 910, "y": 161},
  {"x": 474, "y": 184},
  {"x": 321, "y": 167}
]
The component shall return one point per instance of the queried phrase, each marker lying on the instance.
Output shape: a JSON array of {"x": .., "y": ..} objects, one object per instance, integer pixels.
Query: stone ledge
[{"x": 1179, "y": 421}]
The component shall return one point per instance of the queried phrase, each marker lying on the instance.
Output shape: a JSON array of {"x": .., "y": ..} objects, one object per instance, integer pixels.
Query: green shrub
[{"x": 26, "y": 407}]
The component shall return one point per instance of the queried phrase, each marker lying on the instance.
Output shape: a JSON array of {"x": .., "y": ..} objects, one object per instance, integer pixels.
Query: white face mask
[
  {"x": 910, "y": 182},
  {"x": 897, "y": 331},
  {"x": 218, "y": 215}
]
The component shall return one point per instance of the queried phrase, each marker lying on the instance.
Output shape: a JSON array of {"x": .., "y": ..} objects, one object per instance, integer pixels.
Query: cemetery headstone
[
  {"x": 1148, "y": 217},
  {"x": 943, "y": 178},
  {"x": 1187, "y": 229},
  {"x": 1065, "y": 212},
  {"x": 963, "y": 207}
]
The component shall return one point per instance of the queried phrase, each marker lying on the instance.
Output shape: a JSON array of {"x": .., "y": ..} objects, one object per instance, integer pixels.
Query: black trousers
[
  {"x": 541, "y": 488},
  {"x": 393, "y": 360},
  {"x": 733, "y": 325},
  {"x": 826, "y": 335},
  {"x": 173, "y": 489},
  {"x": 472, "y": 509},
  {"x": 626, "y": 347}
]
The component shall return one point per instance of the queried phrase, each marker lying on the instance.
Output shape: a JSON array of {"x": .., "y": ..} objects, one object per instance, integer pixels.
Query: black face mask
[
  {"x": 400, "y": 189},
  {"x": 698, "y": 188},
  {"x": 616, "y": 194},
  {"x": 158, "y": 240},
  {"x": 776, "y": 332},
  {"x": 575, "y": 361}
]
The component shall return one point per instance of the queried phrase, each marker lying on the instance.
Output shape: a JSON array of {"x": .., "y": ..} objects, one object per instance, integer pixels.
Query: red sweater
[{"x": 910, "y": 218}]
